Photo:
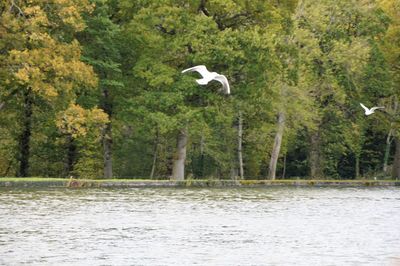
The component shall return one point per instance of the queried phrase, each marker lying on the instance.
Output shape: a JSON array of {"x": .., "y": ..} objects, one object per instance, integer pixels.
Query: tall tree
[
  {"x": 337, "y": 35},
  {"x": 192, "y": 34},
  {"x": 101, "y": 43},
  {"x": 82, "y": 128},
  {"x": 42, "y": 58},
  {"x": 391, "y": 50}
]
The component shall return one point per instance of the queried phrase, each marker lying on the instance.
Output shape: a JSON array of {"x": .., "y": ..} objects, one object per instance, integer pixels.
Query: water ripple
[{"x": 277, "y": 226}]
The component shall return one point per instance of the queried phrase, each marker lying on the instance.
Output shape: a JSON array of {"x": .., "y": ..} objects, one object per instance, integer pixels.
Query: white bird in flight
[
  {"x": 372, "y": 110},
  {"x": 208, "y": 76}
]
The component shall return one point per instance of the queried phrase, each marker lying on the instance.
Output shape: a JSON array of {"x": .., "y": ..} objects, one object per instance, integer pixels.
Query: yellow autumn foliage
[
  {"x": 78, "y": 121},
  {"x": 391, "y": 39},
  {"x": 36, "y": 59},
  {"x": 36, "y": 16},
  {"x": 52, "y": 68}
]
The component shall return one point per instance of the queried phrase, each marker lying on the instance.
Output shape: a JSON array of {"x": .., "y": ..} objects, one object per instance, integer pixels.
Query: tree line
[{"x": 93, "y": 88}]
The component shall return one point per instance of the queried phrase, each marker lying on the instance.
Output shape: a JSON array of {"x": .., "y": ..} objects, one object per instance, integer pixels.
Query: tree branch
[
  {"x": 203, "y": 8},
  {"x": 14, "y": 5},
  {"x": 164, "y": 30}
]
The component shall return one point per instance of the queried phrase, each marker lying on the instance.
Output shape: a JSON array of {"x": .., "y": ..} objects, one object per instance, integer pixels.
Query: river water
[{"x": 270, "y": 226}]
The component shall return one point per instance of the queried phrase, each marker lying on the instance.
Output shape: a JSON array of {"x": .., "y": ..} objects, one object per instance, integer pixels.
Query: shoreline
[{"x": 148, "y": 183}]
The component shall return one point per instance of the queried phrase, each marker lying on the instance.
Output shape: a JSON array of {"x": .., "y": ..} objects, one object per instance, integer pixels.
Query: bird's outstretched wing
[
  {"x": 201, "y": 69},
  {"x": 363, "y": 106},
  {"x": 224, "y": 82},
  {"x": 377, "y": 107}
]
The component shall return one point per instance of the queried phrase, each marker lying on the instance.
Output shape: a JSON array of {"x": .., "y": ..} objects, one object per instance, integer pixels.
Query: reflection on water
[{"x": 276, "y": 226}]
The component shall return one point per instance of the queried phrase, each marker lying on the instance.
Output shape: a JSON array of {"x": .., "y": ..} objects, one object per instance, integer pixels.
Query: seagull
[
  {"x": 208, "y": 76},
  {"x": 372, "y": 110}
]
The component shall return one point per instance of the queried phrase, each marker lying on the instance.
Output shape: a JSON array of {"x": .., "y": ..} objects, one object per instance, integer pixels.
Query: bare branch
[{"x": 14, "y": 5}]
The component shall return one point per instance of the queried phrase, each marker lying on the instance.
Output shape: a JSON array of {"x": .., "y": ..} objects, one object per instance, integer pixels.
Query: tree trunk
[
  {"x": 178, "y": 170},
  {"x": 234, "y": 172},
  {"x": 155, "y": 154},
  {"x": 315, "y": 157},
  {"x": 10, "y": 162},
  {"x": 284, "y": 167},
  {"x": 357, "y": 166},
  {"x": 71, "y": 155},
  {"x": 202, "y": 156},
  {"x": 107, "y": 135},
  {"x": 240, "y": 141},
  {"x": 107, "y": 148},
  {"x": 25, "y": 137},
  {"x": 387, "y": 152},
  {"x": 396, "y": 161},
  {"x": 277, "y": 146}
]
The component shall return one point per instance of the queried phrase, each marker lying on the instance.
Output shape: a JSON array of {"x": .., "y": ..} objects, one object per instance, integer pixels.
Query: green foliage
[{"x": 92, "y": 66}]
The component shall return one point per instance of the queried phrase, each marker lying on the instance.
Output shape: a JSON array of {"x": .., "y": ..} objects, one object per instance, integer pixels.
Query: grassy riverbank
[{"x": 78, "y": 183}]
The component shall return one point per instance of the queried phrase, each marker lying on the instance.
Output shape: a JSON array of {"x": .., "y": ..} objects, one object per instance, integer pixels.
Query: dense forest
[{"x": 94, "y": 89}]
